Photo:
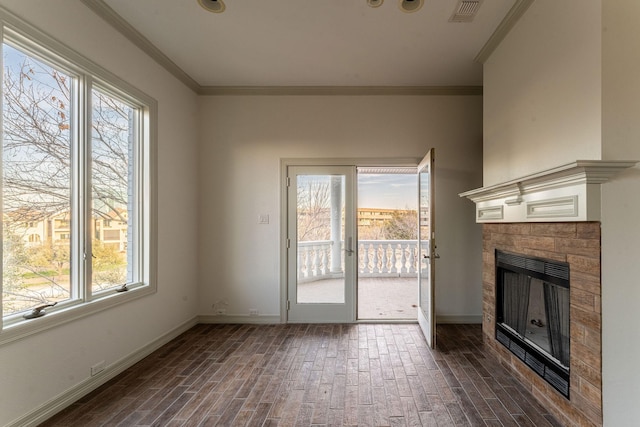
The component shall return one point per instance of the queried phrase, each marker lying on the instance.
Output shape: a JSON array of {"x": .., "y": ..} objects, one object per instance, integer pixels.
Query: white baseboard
[
  {"x": 476, "y": 319},
  {"x": 237, "y": 319},
  {"x": 60, "y": 402}
]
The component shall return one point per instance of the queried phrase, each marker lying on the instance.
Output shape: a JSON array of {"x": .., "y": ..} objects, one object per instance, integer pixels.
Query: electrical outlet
[
  {"x": 253, "y": 312},
  {"x": 97, "y": 368},
  {"x": 221, "y": 311}
]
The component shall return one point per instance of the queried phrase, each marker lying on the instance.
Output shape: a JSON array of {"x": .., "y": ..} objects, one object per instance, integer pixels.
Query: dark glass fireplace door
[{"x": 533, "y": 315}]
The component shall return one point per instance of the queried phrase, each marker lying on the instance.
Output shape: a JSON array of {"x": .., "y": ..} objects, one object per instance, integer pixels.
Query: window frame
[{"x": 89, "y": 76}]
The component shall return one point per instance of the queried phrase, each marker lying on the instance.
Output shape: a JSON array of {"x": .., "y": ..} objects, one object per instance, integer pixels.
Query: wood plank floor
[{"x": 308, "y": 375}]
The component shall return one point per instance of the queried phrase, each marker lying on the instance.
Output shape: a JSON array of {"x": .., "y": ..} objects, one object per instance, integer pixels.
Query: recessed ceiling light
[
  {"x": 374, "y": 3},
  {"x": 410, "y": 6},
  {"x": 215, "y": 6}
]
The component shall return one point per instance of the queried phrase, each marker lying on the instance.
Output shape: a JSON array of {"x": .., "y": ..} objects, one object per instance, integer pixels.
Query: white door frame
[{"x": 285, "y": 163}]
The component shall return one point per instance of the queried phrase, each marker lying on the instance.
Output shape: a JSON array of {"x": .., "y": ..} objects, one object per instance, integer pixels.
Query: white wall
[
  {"x": 243, "y": 140},
  {"x": 39, "y": 368},
  {"x": 620, "y": 214},
  {"x": 542, "y": 91},
  {"x": 564, "y": 86}
]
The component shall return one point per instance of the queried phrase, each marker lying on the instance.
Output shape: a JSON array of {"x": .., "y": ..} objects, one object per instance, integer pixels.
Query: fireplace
[
  {"x": 532, "y": 314},
  {"x": 548, "y": 246},
  {"x": 550, "y": 217}
]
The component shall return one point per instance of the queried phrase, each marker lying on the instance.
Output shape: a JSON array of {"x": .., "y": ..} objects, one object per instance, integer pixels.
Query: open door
[{"x": 427, "y": 245}]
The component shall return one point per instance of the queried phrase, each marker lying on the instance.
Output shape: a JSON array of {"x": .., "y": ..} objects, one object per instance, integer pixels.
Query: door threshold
[{"x": 399, "y": 321}]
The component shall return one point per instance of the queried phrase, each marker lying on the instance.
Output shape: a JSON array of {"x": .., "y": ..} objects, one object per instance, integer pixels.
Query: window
[{"x": 77, "y": 157}]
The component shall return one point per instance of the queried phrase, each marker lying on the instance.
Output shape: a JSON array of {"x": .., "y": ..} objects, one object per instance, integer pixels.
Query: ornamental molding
[{"x": 570, "y": 192}]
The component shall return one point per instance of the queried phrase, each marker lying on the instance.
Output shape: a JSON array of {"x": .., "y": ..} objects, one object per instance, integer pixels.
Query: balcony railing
[{"x": 376, "y": 258}]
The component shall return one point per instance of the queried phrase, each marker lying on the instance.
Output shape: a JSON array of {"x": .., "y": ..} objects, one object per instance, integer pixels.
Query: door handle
[
  {"x": 436, "y": 256},
  {"x": 348, "y": 249}
]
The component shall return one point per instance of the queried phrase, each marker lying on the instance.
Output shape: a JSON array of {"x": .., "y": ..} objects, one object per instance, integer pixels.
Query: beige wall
[
  {"x": 243, "y": 140},
  {"x": 621, "y": 213},
  {"x": 564, "y": 86},
  {"x": 37, "y": 369},
  {"x": 542, "y": 91}
]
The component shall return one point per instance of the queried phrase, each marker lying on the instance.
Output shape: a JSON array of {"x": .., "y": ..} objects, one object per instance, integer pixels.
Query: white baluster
[
  {"x": 405, "y": 268},
  {"x": 411, "y": 258},
  {"x": 309, "y": 262},
  {"x": 315, "y": 261},
  {"x": 376, "y": 259},
  {"x": 321, "y": 260},
  {"x": 394, "y": 259},
  {"x": 384, "y": 263},
  {"x": 365, "y": 260}
]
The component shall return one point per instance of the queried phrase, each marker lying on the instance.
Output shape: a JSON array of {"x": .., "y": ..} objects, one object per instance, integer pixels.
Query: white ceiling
[{"x": 317, "y": 43}]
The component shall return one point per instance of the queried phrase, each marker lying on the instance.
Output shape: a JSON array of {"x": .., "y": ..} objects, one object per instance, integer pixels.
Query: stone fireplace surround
[
  {"x": 577, "y": 243},
  {"x": 553, "y": 214}
]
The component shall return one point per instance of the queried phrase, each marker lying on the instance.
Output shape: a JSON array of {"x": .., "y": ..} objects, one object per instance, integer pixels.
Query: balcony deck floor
[{"x": 383, "y": 298}]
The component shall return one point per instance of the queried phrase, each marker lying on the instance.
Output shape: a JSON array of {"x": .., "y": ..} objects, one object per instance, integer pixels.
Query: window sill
[{"x": 26, "y": 328}]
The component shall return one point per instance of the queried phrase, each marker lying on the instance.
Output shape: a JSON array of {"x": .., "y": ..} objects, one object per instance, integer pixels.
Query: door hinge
[
  {"x": 288, "y": 182},
  {"x": 288, "y": 305},
  {"x": 288, "y": 243}
]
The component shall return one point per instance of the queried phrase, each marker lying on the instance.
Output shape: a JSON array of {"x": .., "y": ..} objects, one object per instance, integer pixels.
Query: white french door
[
  {"x": 321, "y": 239},
  {"x": 427, "y": 245}
]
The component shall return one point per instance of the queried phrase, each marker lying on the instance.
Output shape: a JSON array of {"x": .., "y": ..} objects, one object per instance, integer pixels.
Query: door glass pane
[
  {"x": 320, "y": 233},
  {"x": 36, "y": 192},
  {"x": 113, "y": 191},
  {"x": 425, "y": 246}
]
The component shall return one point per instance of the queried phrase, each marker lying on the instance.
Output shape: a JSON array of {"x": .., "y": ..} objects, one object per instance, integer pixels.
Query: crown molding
[
  {"x": 509, "y": 21},
  {"x": 342, "y": 90},
  {"x": 100, "y": 8}
]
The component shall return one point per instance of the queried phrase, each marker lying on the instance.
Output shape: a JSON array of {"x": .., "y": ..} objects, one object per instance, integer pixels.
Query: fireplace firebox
[{"x": 532, "y": 313}]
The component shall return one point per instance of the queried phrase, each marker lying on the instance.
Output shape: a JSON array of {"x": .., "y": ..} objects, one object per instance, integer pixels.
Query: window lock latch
[
  {"x": 122, "y": 288},
  {"x": 38, "y": 311}
]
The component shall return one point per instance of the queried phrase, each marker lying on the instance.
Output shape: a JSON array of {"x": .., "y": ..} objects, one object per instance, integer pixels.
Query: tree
[
  {"x": 44, "y": 256},
  {"x": 403, "y": 225},
  {"x": 37, "y": 149},
  {"x": 109, "y": 265},
  {"x": 37, "y": 140},
  {"x": 314, "y": 208},
  {"x": 371, "y": 232},
  {"x": 17, "y": 294}
]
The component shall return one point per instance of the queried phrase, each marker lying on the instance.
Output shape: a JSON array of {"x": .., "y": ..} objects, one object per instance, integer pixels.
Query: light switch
[{"x": 263, "y": 219}]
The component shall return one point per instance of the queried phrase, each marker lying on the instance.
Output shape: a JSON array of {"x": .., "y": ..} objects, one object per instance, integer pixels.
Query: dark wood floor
[{"x": 285, "y": 375}]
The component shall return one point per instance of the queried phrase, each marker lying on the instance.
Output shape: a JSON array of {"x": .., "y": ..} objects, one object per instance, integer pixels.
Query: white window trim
[{"x": 106, "y": 81}]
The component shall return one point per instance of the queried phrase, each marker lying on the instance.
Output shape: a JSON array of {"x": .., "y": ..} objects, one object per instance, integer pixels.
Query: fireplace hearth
[{"x": 532, "y": 314}]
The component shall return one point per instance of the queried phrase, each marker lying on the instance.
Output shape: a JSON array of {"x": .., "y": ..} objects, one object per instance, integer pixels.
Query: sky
[{"x": 388, "y": 191}]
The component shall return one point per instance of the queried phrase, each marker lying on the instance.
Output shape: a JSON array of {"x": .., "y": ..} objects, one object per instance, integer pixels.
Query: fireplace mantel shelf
[{"x": 570, "y": 192}]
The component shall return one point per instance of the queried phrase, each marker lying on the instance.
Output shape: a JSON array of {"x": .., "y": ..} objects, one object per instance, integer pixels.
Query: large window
[{"x": 77, "y": 199}]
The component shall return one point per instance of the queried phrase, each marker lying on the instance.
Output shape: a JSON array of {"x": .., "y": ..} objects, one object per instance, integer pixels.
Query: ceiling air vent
[{"x": 465, "y": 11}]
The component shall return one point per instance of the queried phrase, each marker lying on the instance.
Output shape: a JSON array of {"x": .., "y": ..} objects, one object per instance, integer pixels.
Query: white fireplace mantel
[{"x": 569, "y": 192}]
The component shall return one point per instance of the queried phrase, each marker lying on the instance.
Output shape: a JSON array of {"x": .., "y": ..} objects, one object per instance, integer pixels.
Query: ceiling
[{"x": 304, "y": 43}]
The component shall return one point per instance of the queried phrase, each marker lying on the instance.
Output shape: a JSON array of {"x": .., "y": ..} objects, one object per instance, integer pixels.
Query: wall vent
[{"x": 465, "y": 11}]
